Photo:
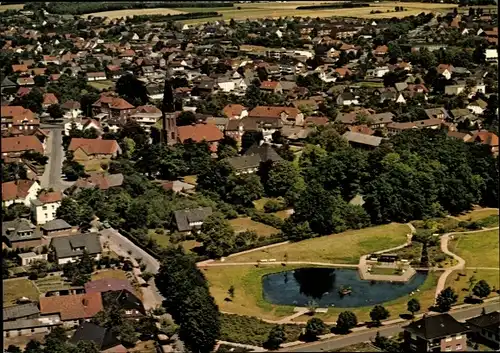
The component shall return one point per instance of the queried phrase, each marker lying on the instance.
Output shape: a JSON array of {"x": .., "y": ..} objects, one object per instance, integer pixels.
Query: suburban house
[
  {"x": 486, "y": 138},
  {"x": 477, "y": 107},
  {"x": 288, "y": 115},
  {"x": 45, "y": 206},
  {"x": 18, "y": 117},
  {"x": 57, "y": 227},
  {"x": 347, "y": 98},
  {"x": 109, "y": 107},
  {"x": 72, "y": 309},
  {"x": 271, "y": 87},
  {"x": 124, "y": 300},
  {"x": 235, "y": 111},
  {"x": 191, "y": 219},
  {"x": 19, "y": 191},
  {"x": 28, "y": 258},
  {"x": 104, "y": 339},
  {"x": 100, "y": 180},
  {"x": 20, "y": 234},
  {"x": 70, "y": 248},
  {"x": 487, "y": 327},
  {"x": 436, "y": 333},
  {"x": 445, "y": 70},
  {"x": 86, "y": 149},
  {"x": 49, "y": 99},
  {"x": 357, "y": 139},
  {"x": 253, "y": 157},
  {"x": 82, "y": 124},
  {"x": 13, "y": 147},
  {"x": 434, "y": 124},
  {"x": 72, "y": 109},
  {"x": 146, "y": 116},
  {"x": 201, "y": 132},
  {"x": 96, "y": 76}
]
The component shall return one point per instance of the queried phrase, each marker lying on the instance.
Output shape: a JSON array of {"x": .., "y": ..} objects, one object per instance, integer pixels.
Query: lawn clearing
[
  {"x": 477, "y": 249},
  {"x": 478, "y": 214},
  {"x": 246, "y": 224},
  {"x": 460, "y": 283},
  {"x": 163, "y": 240},
  {"x": 283, "y": 214},
  {"x": 259, "y": 204},
  {"x": 14, "y": 289},
  {"x": 117, "y": 274},
  {"x": 51, "y": 283},
  {"x": 344, "y": 247},
  {"x": 102, "y": 85},
  {"x": 134, "y": 12}
]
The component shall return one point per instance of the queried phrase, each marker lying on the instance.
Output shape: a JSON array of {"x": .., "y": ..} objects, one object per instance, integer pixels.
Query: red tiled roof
[
  {"x": 14, "y": 110},
  {"x": 50, "y": 98},
  {"x": 72, "y": 307},
  {"x": 113, "y": 102},
  {"x": 55, "y": 77},
  {"x": 108, "y": 284},
  {"x": 22, "y": 91},
  {"x": 272, "y": 111},
  {"x": 442, "y": 67},
  {"x": 94, "y": 146},
  {"x": 17, "y": 189},
  {"x": 49, "y": 197},
  {"x": 316, "y": 120},
  {"x": 362, "y": 129},
  {"x": 96, "y": 74},
  {"x": 232, "y": 110},
  {"x": 200, "y": 132},
  {"x": 486, "y": 138},
  {"x": 381, "y": 49},
  {"x": 269, "y": 84},
  {"x": 342, "y": 71},
  {"x": 21, "y": 144},
  {"x": 146, "y": 109},
  {"x": 19, "y": 68}
]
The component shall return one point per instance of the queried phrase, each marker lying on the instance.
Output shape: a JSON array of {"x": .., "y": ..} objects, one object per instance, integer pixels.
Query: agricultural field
[
  {"x": 477, "y": 249},
  {"x": 344, "y": 247},
  {"x": 14, "y": 289},
  {"x": 133, "y": 12},
  {"x": 11, "y": 7}
]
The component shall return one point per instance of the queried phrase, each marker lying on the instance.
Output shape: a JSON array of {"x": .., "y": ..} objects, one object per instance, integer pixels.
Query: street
[
  {"x": 364, "y": 336},
  {"x": 51, "y": 177}
]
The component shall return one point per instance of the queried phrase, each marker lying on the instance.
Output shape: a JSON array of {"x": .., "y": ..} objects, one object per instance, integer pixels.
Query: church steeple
[{"x": 169, "y": 125}]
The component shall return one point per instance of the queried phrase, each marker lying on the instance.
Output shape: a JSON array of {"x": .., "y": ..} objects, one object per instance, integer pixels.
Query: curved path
[{"x": 461, "y": 262}]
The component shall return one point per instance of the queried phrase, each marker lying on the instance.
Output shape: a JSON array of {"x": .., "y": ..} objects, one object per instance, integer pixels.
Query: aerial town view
[{"x": 250, "y": 176}]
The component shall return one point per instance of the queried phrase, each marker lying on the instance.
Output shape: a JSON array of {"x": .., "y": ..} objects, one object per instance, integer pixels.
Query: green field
[
  {"x": 163, "y": 240},
  {"x": 51, "y": 283},
  {"x": 117, "y": 274},
  {"x": 460, "y": 283},
  {"x": 477, "y": 215},
  {"x": 16, "y": 288},
  {"x": 477, "y": 249},
  {"x": 246, "y": 224},
  {"x": 344, "y": 247}
]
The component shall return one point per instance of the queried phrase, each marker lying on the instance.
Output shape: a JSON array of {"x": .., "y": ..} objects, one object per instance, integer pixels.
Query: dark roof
[
  {"x": 12, "y": 230},
  {"x": 102, "y": 337},
  {"x": 436, "y": 326},
  {"x": 490, "y": 321},
  {"x": 6, "y": 83},
  {"x": 65, "y": 246},
  {"x": 55, "y": 224},
  {"x": 184, "y": 217},
  {"x": 363, "y": 139},
  {"x": 19, "y": 311},
  {"x": 124, "y": 299},
  {"x": 254, "y": 156}
]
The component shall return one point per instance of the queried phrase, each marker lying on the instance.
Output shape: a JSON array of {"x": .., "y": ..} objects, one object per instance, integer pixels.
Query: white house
[
  {"x": 29, "y": 257},
  {"x": 19, "y": 191},
  {"x": 45, "y": 206},
  {"x": 226, "y": 85},
  {"x": 347, "y": 98},
  {"x": 380, "y": 71},
  {"x": 96, "y": 76},
  {"x": 491, "y": 55},
  {"x": 477, "y": 107}
]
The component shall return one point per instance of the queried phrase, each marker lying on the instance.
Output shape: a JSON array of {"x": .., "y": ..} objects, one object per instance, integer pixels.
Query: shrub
[
  {"x": 274, "y": 205},
  {"x": 268, "y": 219}
]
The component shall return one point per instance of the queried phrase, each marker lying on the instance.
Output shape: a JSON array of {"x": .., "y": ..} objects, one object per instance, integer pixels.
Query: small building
[
  {"x": 437, "y": 333},
  {"x": 191, "y": 219},
  {"x": 87, "y": 149},
  {"x": 125, "y": 301},
  {"x": 70, "y": 248},
  {"x": 487, "y": 327},
  {"x": 357, "y": 139},
  {"x": 21, "y": 234},
  {"x": 19, "y": 191},
  {"x": 253, "y": 157},
  {"x": 57, "y": 227},
  {"x": 28, "y": 327},
  {"x": 29, "y": 257},
  {"x": 108, "y": 284},
  {"x": 45, "y": 206},
  {"x": 104, "y": 339},
  {"x": 15, "y": 146},
  {"x": 201, "y": 132},
  {"x": 23, "y": 311}
]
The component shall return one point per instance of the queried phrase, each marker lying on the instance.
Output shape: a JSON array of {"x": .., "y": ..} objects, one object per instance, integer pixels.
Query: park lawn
[
  {"x": 460, "y": 283},
  {"x": 477, "y": 249},
  {"x": 479, "y": 214},
  {"x": 100, "y": 85},
  {"x": 117, "y": 274},
  {"x": 383, "y": 271},
  {"x": 344, "y": 247},
  {"x": 14, "y": 289},
  {"x": 134, "y": 12},
  {"x": 248, "y": 298},
  {"x": 246, "y": 224},
  {"x": 51, "y": 283}
]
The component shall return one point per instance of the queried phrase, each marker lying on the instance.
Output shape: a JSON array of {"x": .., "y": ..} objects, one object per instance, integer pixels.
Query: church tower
[{"x": 169, "y": 125}]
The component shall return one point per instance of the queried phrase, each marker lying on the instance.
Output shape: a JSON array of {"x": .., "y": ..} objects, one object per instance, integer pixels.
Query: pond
[{"x": 322, "y": 285}]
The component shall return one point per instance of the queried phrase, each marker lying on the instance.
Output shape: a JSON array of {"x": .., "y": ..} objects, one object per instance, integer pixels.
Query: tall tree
[
  {"x": 482, "y": 289},
  {"x": 445, "y": 299},
  {"x": 132, "y": 90},
  {"x": 217, "y": 236},
  {"x": 276, "y": 337},
  {"x": 413, "y": 306},
  {"x": 314, "y": 328},
  {"x": 378, "y": 313},
  {"x": 346, "y": 321}
]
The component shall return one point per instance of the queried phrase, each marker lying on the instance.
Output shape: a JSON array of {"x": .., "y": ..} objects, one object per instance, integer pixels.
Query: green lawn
[
  {"x": 477, "y": 249},
  {"x": 384, "y": 271},
  {"x": 14, "y": 289},
  {"x": 460, "y": 283},
  {"x": 51, "y": 283},
  {"x": 118, "y": 274},
  {"x": 259, "y": 204},
  {"x": 478, "y": 214},
  {"x": 246, "y": 224},
  {"x": 344, "y": 247},
  {"x": 102, "y": 85},
  {"x": 164, "y": 241}
]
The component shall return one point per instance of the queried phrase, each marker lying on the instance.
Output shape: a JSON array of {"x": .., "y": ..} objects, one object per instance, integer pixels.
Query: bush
[
  {"x": 268, "y": 219},
  {"x": 274, "y": 205}
]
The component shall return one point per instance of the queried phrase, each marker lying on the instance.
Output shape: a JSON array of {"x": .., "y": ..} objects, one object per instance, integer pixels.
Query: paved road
[
  {"x": 51, "y": 177},
  {"x": 364, "y": 336}
]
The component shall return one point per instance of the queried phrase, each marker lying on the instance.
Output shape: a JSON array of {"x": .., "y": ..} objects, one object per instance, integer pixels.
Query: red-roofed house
[
  {"x": 381, "y": 50},
  {"x": 108, "y": 284},
  {"x": 235, "y": 111},
  {"x": 486, "y": 138},
  {"x": 446, "y": 70},
  {"x": 201, "y": 132},
  {"x": 49, "y": 99},
  {"x": 18, "y": 117},
  {"x": 45, "y": 206},
  {"x": 72, "y": 309},
  {"x": 271, "y": 86},
  {"x": 20, "y": 68},
  {"x": 19, "y": 191},
  {"x": 86, "y": 149},
  {"x": 13, "y": 147},
  {"x": 112, "y": 107},
  {"x": 289, "y": 115}
]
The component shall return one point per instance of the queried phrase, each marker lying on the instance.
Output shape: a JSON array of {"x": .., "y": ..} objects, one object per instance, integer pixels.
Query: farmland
[{"x": 133, "y": 12}]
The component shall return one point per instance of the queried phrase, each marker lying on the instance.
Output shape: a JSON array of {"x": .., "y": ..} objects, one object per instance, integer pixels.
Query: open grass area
[
  {"x": 477, "y": 249},
  {"x": 259, "y": 204},
  {"x": 100, "y": 85},
  {"x": 461, "y": 283},
  {"x": 51, "y": 283},
  {"x": 358, "y": 347},
  {"x": 117, "y": 274},
  {"x": 164, "y": 241},
  {"x": 246, "y": 224},
  {"x": 11, "y": 7},
  {"x": 479, "y": 214},
  {"x": 14, "y": 289},
  {"x": 190, "y": 179},
  {"x": 94, "y": 165},
  {"x": 248, "y": 298},
  {"x": 384, "y": 271},
  {"x": 344, "y": 247},
  {"x": 134, "y": 12}
]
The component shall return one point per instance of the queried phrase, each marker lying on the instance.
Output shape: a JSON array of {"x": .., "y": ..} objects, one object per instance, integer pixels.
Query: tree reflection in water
[{"x": 315, "y": 282}]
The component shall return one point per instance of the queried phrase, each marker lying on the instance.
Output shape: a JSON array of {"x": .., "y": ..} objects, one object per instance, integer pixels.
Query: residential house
[
  {"x": 70, "y": 248},
  {"x": 459, "y": 135},
  {"x": 177, "y": 186},
  {"x": 82, "y": 124},
  {"x": 478, "y": 106},
  {"x": 221, "y": 123},
  {"x": 306, "y": 104},
  {"x": 288, "y": 115},
  {"x": 20, "y": 234},
  {"x": 357, "y": 139},
  {"x": 146, "y": 116},
  {"x": 25, "y": 81},
  {"x": 72, "y": 109},
  {"x": 271, "y": 87},
  {"x": 446, "y": 70},
  {"x": 103, "y": 338},
  {"x": 235, "y": 111},
  {"x": 14, "y": 147},
  {"x": 45, "y": 206},
  {"x": 8, "y": 87},
  {"x": 267, "y": 125},
  {"x": 486, "y": 138},
  {"x": 491, "y": 55},
  {"x": 191, "y": 219},
  {"x": 436, "y": 333},
  {"x": 486, "y": 327},
  {"x": 19, "y": 118},
  {"x": 201, "y": 132},
  {"x": 380, "y": 120},
  {"x": 72, "y": 310},
  {"x": 28, "y": 327},
  {"x": 381, "y": 50},
  {"x": 112, "y": 107},
  {"x": 250, "y": 161},
  {"x": 434, "y": 124},
  {"x": 437, "y": 113},
  {"x": 19, "y": 191},
  {"x": 96, "y": 76},
  {"x": 125, "y": 301},
  {"x": 49, "y": 99},
  {"x": 108, "y": 284},
  {"x": 347, "y": 98},
  {"x": 28, "y": 258},
  {"x": 57, "y": 227},
  {"x": 87, "y": 149},
  {"x": 102, "y": 181}
]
